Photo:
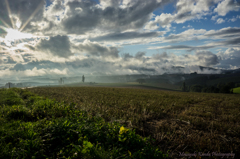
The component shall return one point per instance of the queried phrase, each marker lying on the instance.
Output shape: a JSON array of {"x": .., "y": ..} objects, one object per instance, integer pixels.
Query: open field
[
  {"x": 236, "y": 90},
  {"x": 37, "y": 127},
  {"x": 154, "y": 86},
  {"x": 178, "y": 121}
]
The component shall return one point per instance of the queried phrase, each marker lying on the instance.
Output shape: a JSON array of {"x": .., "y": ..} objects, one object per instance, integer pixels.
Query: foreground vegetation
[
  {"x": 38, "y": 127},
  {"x": 178, "y": 121}
]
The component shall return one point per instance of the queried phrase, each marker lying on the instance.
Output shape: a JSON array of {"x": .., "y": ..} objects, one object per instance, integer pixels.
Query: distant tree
[
  {"x": 83, "y": 78},
  {"x": 184, "y": 88},
  {"x": 141, "y": 81},
  {"x": 61, "y": 81},
  {"x": 195, "y": 73}
]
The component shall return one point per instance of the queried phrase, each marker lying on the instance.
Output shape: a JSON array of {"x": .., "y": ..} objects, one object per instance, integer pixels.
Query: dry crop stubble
[{"x": 180, "y": 122}]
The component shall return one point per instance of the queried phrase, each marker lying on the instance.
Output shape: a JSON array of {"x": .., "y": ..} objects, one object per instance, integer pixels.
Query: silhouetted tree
[
  {"x": 83, "y": 78},
  {"x": 61, "y": 81},
  {"x": 184, "y": 87}
]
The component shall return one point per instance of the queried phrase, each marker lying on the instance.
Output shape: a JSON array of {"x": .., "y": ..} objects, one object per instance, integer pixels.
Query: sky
[{"x": 117, "y": 37}]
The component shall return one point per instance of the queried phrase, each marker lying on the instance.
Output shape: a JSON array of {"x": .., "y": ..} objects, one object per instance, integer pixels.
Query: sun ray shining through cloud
[
  {"x": 32, "y": 15},
  {"x": 9, "y": 13},
  {"x": 4, "y": 23}
]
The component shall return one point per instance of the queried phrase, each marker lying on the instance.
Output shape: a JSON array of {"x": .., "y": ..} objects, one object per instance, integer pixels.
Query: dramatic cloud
[
  {"x": 207, "y": 58},
  {"x": 58, "y": 46},
  {"x": 95, "y": 49},
  {"x": 84, "y": 16}
]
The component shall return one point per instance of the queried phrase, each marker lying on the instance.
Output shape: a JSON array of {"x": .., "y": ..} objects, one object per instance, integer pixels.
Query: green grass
[
  {"x": 37, "y": 127},
  {"x": 178, "y": 121},
  {"x": 236, "y": 90}
]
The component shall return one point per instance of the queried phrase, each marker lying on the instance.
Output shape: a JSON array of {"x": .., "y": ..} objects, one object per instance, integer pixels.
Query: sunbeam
[
  {"x": 9, "y": 13},
  {"x": 33, "y": 14},
  {"x": 4, "y": 23}
]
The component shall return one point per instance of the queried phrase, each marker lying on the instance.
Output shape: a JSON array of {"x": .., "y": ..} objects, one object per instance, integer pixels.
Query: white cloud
[
  {"x": 186, "y": 10},
  {"x": 226, "y": 6},
  {"x": 214, "y": 17},
  {"x": 230, "y": 58},
  {"x": 220, "y": 20},
  {"x": 232, "y": 19},
  {"x": 189, "y": 26}
]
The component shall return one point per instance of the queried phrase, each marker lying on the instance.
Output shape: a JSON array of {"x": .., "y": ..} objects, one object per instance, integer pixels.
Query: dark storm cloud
[
  {"x": 207, "y": 58},
  {"x": 95, "y": 49},
  {"x": 58, "y": 46}
]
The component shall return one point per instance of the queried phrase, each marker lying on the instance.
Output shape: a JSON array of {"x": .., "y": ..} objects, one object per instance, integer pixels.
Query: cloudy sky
[{"x": 106, "y": 37}]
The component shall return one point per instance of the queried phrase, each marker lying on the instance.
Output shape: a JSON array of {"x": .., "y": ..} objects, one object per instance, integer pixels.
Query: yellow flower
[{"x": 123, "y": 130}]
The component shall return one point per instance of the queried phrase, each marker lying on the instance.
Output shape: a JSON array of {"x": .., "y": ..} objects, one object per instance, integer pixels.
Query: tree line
[{"x": 219, "y": 88}]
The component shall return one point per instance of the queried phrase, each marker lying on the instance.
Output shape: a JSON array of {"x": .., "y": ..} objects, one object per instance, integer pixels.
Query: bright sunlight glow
[{"x": 13, "y": 34}]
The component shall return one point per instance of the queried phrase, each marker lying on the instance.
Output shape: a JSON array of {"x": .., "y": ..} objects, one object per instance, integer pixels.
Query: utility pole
[{"x": 8, "y": 84}]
